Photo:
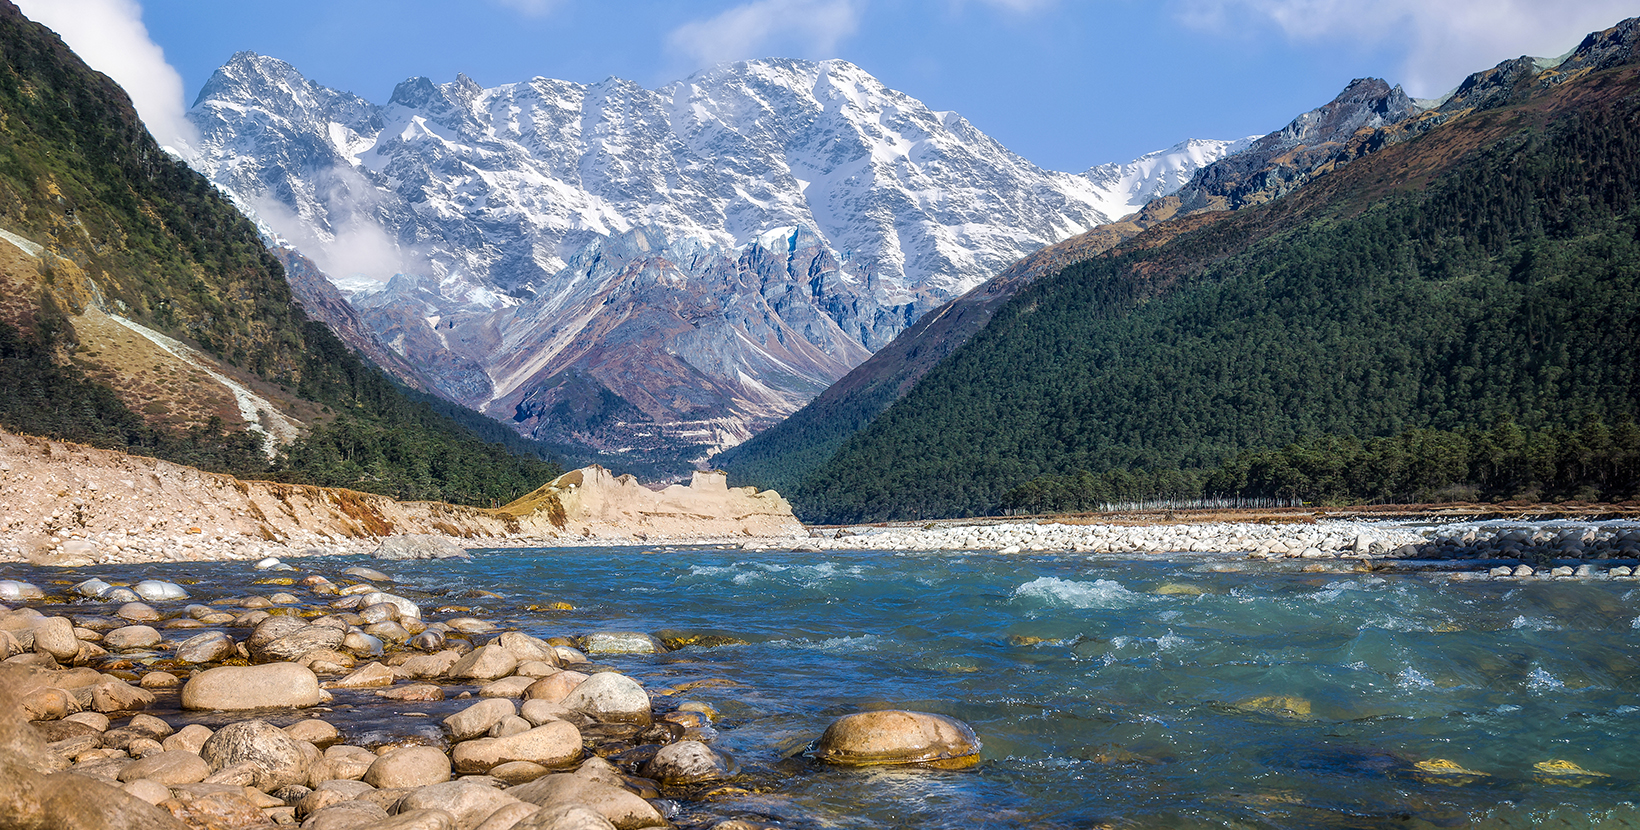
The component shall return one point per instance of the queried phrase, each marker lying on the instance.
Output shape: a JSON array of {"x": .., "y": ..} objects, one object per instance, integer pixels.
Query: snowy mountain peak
[{"x": 773, "y": 219}]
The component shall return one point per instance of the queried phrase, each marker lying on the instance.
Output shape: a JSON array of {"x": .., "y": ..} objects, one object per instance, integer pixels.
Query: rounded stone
[
  {"x": 895, "y": 736},
  {"x": 138, "y": 612},
  {"x": 169, "y": 768},
  {"x": 317, "y": 732},
  {"x": 410, "y": 766},
  {"x": 130, "y": 637},
  {"x": 275, "y": 758},
  {"x": 476, "y": 720},
  {"x": 608, "y": 696},
  {"x": 622, "y": 642},
  {"x": 210, "y": 647},
  {"x": 371, "y": 574},
  {"x": 379, "y": 612},
  {"x": 686, "y": 762},
  {"x": 469, "y": 801},
  {"x": 15, "y": 590},
  {"x": 252, "y": 687},
  {"x": 54, "y": 636},
  {"x": 554, "y": 688},
  {"x": 551, "y": 744},
  {"x": 407, "y": 609},
  {"x": 487, "y": 663},
  {"x": 155, "y": 590}
]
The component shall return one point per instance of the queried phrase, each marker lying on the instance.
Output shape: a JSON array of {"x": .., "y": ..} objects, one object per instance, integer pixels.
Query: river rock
[
  {"x": 418, "y": 546},
  {"x": 121, "y": 595},
  {"x": 470, "y": 625},
  {"x": 276, "y": 758},
  {"x": 508, "y": 687},
  {"x": 315, "y": 731},
  {"x": 416, "y": 820},
  {"x": 15, "y": 590},
  {"x": 475, "y": 720},
  {"x": 154, "y": 590},
  {"x": 169, "y": 768},
  {"x": 538, "y": 712},
  {"x": 348, "y": 815},
  {"x": 487, "y": 663},
  {"x": 361, "y": 572},
  {"x": 622, "y": 642},
  {"x": 362, "y": 644},
  {"x": 517, "y": 772},
  {"x": 894, "y": 736},
  {"x": 252, "y": 687},
  {"x": 468, "y": 801},
  {"x": 379, "y": 612},
  {"x": 92, "y": 588},
  {"x": 117, "y": 695},
  {"x": 329, "y": 793},
  {"x": 527, "y": 648},
  {"x": 551, "y": 744},
  {"x": 407, "y": 609},
  {"x": 54, "y": 636},
  {"x": 131, "y": 637},
  {"x": 686, "y": 762},
  {"x": 554, "y": 688},
  {"x": 189, "y": 738},
  {"x": 210, "y": 647},
  {"x": 414, "y": 691},
  {"x": 620, "y": 807},
  {"x": 139, "y": 612},
  {"x": 611, "y": 697},
  {"x": 409, "y": 766},
  {"x": 562, "y": 817},
  {"x": 367, "y": 676}
]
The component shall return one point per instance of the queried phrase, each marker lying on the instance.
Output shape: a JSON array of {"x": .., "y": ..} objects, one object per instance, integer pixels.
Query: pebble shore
[{"x": 541, "y": 736}]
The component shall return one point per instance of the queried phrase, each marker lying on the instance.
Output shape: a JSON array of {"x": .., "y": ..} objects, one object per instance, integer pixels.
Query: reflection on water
[{"x": 1120, "y": 693}]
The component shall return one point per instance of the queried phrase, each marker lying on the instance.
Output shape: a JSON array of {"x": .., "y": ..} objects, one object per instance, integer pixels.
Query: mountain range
[
  {"x": 1367, "y": 116},
  {"x": 654, "y": 274}
]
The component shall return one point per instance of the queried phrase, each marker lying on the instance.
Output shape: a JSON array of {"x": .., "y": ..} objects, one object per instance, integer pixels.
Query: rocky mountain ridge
[
  {"x": 1367, "y": 116},
  {"x": 653, "y": 272}
]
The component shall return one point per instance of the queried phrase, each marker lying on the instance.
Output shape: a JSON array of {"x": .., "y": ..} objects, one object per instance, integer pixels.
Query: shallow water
[{"x": 1108, "y": 691}]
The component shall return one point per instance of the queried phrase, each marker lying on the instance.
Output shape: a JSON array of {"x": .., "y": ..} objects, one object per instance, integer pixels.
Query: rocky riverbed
[
  {"x": 1580, "y": 548},
  {"x": 331, "y": 702}
]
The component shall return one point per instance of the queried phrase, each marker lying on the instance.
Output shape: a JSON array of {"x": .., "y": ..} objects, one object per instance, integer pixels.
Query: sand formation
[{"x": 68, "y": 504}]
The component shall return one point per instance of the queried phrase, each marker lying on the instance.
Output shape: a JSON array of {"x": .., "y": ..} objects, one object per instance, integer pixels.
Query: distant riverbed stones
[{"x": 898, "y": 737}]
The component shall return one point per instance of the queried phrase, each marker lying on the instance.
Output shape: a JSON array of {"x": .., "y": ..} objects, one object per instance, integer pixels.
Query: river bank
[{"x": 1177, "y": 690}]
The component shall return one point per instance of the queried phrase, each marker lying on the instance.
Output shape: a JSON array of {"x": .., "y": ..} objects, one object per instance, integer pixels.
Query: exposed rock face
[
  {"x": 648, "y": 298},
  {"x": 594, "y": 498},
  {"x": 249, "y": 519},
  {"x": 1365, "y": 117}
]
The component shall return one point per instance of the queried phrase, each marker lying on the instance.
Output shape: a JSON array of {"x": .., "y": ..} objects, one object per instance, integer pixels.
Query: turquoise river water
[{"x": 1109, "y": 692}]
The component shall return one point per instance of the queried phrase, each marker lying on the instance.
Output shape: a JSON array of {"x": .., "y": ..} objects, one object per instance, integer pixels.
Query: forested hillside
[
  {"x": 125, "y": 229},
  {"x": 1484, "y": 270}
]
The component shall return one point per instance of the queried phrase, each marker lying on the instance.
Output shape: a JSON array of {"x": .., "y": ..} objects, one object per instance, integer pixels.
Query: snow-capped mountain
[{"x": 790, "y": 202}]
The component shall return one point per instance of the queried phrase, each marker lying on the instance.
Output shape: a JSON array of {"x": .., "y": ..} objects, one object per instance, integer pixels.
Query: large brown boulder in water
[{"x": 895, "y": 736}]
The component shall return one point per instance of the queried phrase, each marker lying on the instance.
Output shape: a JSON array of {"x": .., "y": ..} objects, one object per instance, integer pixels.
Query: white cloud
[
  {"x": 1444, "y": 40},
  {"x": 109, "y": 36},
  {"x": 807, "y": 28}
]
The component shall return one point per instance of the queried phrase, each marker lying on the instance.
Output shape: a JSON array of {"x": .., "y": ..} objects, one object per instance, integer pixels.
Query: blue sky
[{"x": 1065, "y": 83}]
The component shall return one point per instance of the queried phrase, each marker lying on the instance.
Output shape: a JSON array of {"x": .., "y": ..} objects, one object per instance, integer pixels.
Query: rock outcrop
[{"x": 68, "y": 504}]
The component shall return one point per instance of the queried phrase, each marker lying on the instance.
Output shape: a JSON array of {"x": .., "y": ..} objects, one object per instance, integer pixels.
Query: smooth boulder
[
  {"x": 896, "y": 736},
  {"x": 551, "y": 744},
  {"x": 409, "y": 766},
  {"x": 275, "y": 758},
  {"x": 253, "y": 687},
  {"x": 686, "y": 762},
  {"x": 611, "y": 697}
]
